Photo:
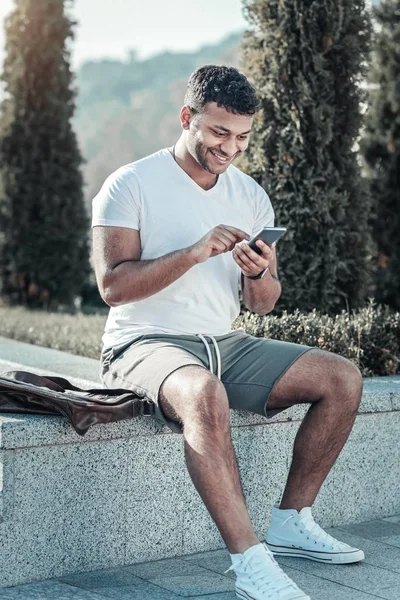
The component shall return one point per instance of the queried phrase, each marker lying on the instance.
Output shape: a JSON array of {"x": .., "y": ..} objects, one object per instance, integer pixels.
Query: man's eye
[{"x": 218, "y": 133}]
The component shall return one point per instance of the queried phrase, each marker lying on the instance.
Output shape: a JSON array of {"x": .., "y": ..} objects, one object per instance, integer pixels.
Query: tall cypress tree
[
  {"x": 381, "y": 149},
  {"x": 44, "y": 254},
  {"x": 306, "y": 59}
]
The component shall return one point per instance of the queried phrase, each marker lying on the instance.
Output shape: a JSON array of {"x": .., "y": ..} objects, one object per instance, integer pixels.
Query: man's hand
[
  {"x": 220, "y": 239},
  {"x": 249, "y": 261}
]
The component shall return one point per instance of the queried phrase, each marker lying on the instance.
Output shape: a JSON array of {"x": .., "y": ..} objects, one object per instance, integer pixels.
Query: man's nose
[{"x": 229, "y": 147}]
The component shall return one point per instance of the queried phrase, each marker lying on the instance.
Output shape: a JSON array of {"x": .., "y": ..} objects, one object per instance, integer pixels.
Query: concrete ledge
[
  {"x": 122, "y": 494},
  {"x": 46, "y": 360},
  {"x": 381, "y": 394}
]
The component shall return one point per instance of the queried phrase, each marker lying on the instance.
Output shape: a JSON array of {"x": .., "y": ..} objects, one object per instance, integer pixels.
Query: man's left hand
[{"x": 249, "y": 261}]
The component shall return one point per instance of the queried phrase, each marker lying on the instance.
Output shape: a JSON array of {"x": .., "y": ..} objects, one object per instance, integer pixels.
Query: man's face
[{"x": 216, "y": 137}]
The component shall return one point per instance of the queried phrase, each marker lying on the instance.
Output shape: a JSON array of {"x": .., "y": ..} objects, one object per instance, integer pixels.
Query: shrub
[
  {"x": 369, "y": 337},
  {"x": 381, "y": 150},
  {"x": 44, "y": 255},
  {"x": 306, "y": 61}
]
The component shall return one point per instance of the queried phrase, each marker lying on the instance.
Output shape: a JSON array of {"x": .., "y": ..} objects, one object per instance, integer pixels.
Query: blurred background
[
  {"x": 132, "y": 61},
  {"x": 87, "y": 87}
]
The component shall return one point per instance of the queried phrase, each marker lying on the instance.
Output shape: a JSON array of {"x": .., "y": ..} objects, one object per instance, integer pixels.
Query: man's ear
[{"x": 186, "y": 116}]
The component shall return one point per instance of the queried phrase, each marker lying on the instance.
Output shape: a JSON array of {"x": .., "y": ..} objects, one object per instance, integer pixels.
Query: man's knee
[
  {"x": 192, "y": 394},
  {"x": 346, "y": 379}
]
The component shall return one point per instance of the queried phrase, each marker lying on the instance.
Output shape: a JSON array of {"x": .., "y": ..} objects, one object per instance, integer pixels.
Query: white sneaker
[
  {"x": 293, "y": 533},
  {"x": 259, "y": 577}
]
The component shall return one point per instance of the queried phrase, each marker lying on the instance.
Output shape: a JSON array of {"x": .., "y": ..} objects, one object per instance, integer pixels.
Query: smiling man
[
  {"x": 170, "y": 248},
  {"x": 218, "y": 138}
]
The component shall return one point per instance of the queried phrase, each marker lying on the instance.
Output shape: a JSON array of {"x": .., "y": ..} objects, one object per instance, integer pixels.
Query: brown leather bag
[{"x": 24, "y": 392}]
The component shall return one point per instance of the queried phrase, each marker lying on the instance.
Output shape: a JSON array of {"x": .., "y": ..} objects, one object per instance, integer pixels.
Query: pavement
[{"x": 201, "y": 576}]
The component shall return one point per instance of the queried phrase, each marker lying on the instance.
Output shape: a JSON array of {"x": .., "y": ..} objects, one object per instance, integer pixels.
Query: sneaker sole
[
  {"x": 337, "y": 558},
  {"x": 245, "y": 596}
]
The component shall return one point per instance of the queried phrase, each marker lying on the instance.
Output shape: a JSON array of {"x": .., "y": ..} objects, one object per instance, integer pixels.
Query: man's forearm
[
  {"x": 261, "y": 295},
  {"x": 136, "y": 280}
]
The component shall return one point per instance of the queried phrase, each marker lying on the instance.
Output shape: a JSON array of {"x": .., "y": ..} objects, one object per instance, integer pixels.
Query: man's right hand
[{"x": 222, "y": 238}]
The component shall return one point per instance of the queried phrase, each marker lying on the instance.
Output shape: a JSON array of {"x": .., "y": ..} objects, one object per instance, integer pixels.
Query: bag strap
[
  {"x": 53, "y": 383},
  {"x": 59, "y": 384}
]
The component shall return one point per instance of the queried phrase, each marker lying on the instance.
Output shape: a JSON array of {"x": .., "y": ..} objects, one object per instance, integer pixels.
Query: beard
[{"x": 200, "y": 154}]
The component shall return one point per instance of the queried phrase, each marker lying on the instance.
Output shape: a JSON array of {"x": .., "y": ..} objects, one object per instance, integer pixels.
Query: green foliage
[
  {"x": 306, "y": 59},
  {"x": 369, "y": 337},
  {"x": 381, "y": 150},
  {"x": 44, "y": 256},
  {"x": 75, "y": 333}
]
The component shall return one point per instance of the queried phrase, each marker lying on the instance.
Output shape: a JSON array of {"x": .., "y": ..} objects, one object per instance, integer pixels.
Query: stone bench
[{"x": 122, "y": 494}]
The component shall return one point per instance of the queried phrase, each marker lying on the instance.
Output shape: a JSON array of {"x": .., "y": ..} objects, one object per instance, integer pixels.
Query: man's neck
[{"x": 185, "y": 160}]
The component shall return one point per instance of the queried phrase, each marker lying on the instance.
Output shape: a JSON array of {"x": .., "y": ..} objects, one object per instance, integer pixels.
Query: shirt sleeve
[
  {"x": 118, "y": 201},
  {"x": 265, "y": 216}
]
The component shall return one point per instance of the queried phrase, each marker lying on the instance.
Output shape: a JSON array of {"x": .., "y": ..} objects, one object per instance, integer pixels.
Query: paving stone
[
  {"x": 200, "y": 576},
  {"x": 392, "y": 594},
  {"x": 321, "y": 589},
  {"x": 394, "y": 519},
  {"x": 360, "y": 576},
  {"x": 376, "y": 552},
  {"x": 318, "y": 588},
  {"x": 47, "y": 590},
  {"x": 374, "y": 529},
  {"x": 199, "y": 556},
  {"x": 141, "y": 591},
  {"x": 223, "y": 596},
  {"x": 335, "y": 593},
  {"x": 170, "y": 567},
  {"x": 97, "y": 579},
  {"x": 194, "y": 585},
  {"x": 392, "y": 540},
  {"x": 217, "y": 563}
]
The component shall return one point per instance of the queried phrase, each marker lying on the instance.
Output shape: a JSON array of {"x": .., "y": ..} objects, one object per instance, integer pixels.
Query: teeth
[{"x": 220, "y": 157}]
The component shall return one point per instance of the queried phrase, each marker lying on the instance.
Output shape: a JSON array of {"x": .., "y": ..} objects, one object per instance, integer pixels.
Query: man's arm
[
  {"x": 261, "y": 295},
  {"x": 120, "y": 274}
]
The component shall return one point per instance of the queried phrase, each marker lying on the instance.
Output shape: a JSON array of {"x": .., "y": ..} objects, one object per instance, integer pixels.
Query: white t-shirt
[{"x": 171, "y": 211}]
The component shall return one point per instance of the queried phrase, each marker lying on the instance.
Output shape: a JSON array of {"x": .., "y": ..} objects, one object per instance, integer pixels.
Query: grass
[
  {"x": 369, "y": 337},
  {"x": 78, "y": 334}
]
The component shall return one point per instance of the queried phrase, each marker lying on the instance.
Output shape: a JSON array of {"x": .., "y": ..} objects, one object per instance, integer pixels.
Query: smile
[{"x": 220, "y": 159}]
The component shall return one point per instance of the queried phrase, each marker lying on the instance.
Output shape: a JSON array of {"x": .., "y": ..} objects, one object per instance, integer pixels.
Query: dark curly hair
[{"x": 224, "y": 85}]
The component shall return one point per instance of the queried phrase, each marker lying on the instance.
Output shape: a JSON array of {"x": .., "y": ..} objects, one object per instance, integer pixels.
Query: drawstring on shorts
[{"x": 210, "y": 360}]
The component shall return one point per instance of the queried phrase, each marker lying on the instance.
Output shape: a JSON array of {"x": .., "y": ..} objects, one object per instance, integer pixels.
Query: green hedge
[{"x": 370, "y": 337}]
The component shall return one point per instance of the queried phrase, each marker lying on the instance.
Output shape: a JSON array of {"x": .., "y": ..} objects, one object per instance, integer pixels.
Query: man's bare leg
[
  {"x": 209, "y": 453},
  {"x": 334, "y": 386}
]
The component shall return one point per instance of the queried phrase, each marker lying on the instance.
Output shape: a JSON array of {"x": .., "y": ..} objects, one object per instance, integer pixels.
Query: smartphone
[{"x": 269, "y": 235}]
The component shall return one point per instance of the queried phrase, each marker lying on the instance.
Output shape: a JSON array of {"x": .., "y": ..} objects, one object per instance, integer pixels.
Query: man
[{"x": 170, "y": 240}]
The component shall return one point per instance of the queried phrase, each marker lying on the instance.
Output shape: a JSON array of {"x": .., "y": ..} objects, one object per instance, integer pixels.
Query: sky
[{"x": 109, "y": 28}]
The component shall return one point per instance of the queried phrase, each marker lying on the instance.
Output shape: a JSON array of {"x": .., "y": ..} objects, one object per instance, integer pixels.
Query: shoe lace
[
  {"x": 266, "y": 574},
  {"x": 317, "y": 533}
]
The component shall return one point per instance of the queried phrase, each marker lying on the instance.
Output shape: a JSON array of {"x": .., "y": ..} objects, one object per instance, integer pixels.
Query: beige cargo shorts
[{"x": 247, "y": 366}]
